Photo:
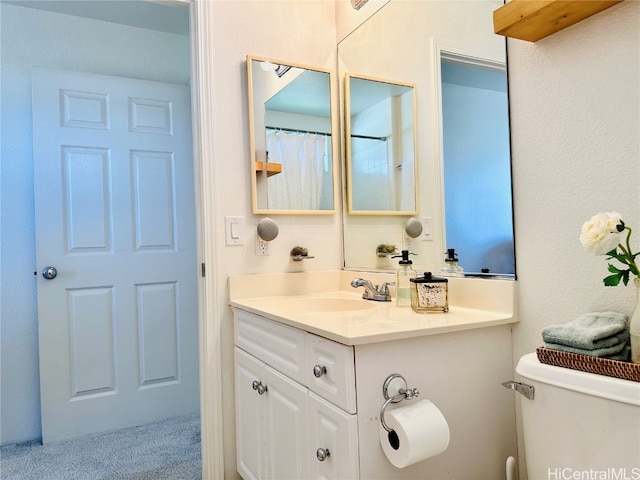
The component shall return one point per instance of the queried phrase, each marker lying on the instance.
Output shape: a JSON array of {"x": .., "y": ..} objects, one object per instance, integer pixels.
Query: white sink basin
[{"x": 327, "y": 304}]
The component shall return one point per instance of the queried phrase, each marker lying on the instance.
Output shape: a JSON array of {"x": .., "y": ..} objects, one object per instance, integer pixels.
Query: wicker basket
[{"x": 586, "y": 363}]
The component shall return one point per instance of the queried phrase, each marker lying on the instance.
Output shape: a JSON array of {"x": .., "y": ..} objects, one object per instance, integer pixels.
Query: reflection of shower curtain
[{"x": 299, "y": 186}]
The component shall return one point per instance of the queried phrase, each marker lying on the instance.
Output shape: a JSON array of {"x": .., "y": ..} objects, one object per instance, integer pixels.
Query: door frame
[{"x": 202, "y": 108}]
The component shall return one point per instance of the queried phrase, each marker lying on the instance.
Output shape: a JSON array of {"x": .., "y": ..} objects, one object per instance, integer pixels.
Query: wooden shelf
[
  {"x": 532, "y": 20},
  {"x": 272, "y": 168}
]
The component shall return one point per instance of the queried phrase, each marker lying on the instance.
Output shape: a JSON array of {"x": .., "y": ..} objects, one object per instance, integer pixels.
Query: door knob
[{"x": 49, "y": 273}]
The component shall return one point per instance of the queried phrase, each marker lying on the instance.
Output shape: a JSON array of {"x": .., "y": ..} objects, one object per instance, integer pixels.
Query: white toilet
[{"x": 579, "y": 422}]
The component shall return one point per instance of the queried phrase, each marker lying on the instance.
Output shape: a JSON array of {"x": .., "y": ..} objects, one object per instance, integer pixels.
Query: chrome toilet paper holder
[{"x": 395, "y": 390}]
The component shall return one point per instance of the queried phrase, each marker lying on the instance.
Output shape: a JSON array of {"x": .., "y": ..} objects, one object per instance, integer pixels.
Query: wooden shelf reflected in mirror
[{"x": 272, "y": 168}]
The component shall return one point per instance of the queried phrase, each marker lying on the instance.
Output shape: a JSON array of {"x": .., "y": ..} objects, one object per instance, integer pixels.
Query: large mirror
[
  {"x": 458, "y": 65},
  {"x": 380, "y": 146},
  {"x": 290, "y": 121}
]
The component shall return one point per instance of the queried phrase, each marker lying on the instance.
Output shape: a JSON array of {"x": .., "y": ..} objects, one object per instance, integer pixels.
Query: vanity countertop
[{"x": 376, "y": 322}]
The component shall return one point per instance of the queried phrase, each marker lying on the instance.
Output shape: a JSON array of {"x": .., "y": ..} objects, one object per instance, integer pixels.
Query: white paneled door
[{"x": 115, "y": 218}]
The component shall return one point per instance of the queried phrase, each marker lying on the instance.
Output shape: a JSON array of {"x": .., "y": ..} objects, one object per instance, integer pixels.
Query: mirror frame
[
  {"x": 335, "y": 163},
  {"x": 348, "y": 154}
]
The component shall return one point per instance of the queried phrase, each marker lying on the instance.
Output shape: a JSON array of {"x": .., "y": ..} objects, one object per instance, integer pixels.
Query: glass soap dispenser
[
  {"x": 429, "y": 294},
  {"x": 403, "y": 279},
  {"x": 451, "y": 263}
]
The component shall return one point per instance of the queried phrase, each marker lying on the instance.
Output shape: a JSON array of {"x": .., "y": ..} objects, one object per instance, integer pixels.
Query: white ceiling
[
  {"x": 135, "y": 13},
  {"x": 308, "y": 94}
]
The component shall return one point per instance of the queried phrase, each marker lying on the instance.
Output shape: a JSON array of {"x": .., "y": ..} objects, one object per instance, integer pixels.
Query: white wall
[
  {"x": 36, "y": 38},
  {"x": 348, "y": 19},
  {"x": 576, "y": 151},
  {"x": 288, "y": 30}
]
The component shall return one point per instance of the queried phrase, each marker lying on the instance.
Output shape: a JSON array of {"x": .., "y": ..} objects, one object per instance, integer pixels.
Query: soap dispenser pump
[
  {"x": 403, "y": 280},
  {"x": 451, "y": 263}
]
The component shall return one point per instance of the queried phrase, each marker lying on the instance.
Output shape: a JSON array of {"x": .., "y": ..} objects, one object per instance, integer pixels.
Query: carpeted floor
[{"x": 168, "y": 450}]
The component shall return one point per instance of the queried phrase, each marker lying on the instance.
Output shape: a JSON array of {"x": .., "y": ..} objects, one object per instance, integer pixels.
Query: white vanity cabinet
[
  {"x": 295, "y": 403},
  {"x": 323, "y": 354},
  {"x": 319, "y": 412}
]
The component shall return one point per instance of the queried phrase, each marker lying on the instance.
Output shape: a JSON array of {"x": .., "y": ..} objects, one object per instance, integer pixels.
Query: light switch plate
[
  {"x": 234, "y": 230},
  {"x": 427, "y": 229}
]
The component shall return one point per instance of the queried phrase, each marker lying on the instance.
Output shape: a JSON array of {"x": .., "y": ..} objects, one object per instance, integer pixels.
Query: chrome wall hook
[{"x": 394, "y": 390}]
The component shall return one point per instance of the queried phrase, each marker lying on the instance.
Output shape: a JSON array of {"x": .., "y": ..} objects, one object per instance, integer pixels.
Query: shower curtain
[{"x": 299, "y": 186}]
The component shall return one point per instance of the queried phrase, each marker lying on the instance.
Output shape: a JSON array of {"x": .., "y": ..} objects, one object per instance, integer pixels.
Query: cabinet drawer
[
  {"x": 331, "y": 371},
  {"x": 277, "y": 345}
]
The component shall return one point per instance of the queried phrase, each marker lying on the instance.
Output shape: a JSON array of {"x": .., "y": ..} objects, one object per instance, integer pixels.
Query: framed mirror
[
  {"x": 380, "y": 132},
  {"x": 291, "y": 141},
  {"x": 449, "y": 52}
]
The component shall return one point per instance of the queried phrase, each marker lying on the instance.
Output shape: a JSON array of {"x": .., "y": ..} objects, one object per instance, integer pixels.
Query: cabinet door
[
  {"x": 250, "y": 435},
  {"x": 287, "y": 426},
  {"x": 332, "y": 429}
]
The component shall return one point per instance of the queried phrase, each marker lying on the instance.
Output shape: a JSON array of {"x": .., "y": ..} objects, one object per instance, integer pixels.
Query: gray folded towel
[
  {"x": 599, "y": 352},
  {"x": 591, "y": 331},
  {"x": 622, "y": 354},
  {"x": 599, "y": 348}
]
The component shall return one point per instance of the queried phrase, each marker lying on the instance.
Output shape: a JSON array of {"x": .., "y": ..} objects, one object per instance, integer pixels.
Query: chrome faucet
[{"x": 373, "y": 292}]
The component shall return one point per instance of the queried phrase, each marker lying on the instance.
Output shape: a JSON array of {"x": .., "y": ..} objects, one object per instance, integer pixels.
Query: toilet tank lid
[{"x": 617, "y": 389}]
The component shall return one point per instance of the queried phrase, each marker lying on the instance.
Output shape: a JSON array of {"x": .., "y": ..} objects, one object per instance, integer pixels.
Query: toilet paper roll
[{"x": 420, "y": 431}]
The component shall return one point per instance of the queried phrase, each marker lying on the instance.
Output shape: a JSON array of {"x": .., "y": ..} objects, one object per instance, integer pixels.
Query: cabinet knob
[
  {"x": 259, "y": 387},
  {"x": 322, "y": 454},
  {"x": 319, "y": 370}
]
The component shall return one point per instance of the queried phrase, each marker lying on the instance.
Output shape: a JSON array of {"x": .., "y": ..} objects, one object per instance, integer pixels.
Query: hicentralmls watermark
[{"x": 560, "y": 473}]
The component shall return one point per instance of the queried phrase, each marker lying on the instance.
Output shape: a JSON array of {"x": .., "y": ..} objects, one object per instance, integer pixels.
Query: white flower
[{"x": 600, "y": 234}]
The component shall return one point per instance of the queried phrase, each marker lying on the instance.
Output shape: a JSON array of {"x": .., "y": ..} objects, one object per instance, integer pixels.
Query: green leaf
[
  {"x": 621, "y": 257},
  {"x": 613, "y": 252},
  {"x": 625, "y": 277},
  {"x": 612, "y": 280},
  {"x": 613, "y": 269}
]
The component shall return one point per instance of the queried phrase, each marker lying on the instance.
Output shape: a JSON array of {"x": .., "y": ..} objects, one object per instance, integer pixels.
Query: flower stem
[{"x": 627, "y": 253}]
